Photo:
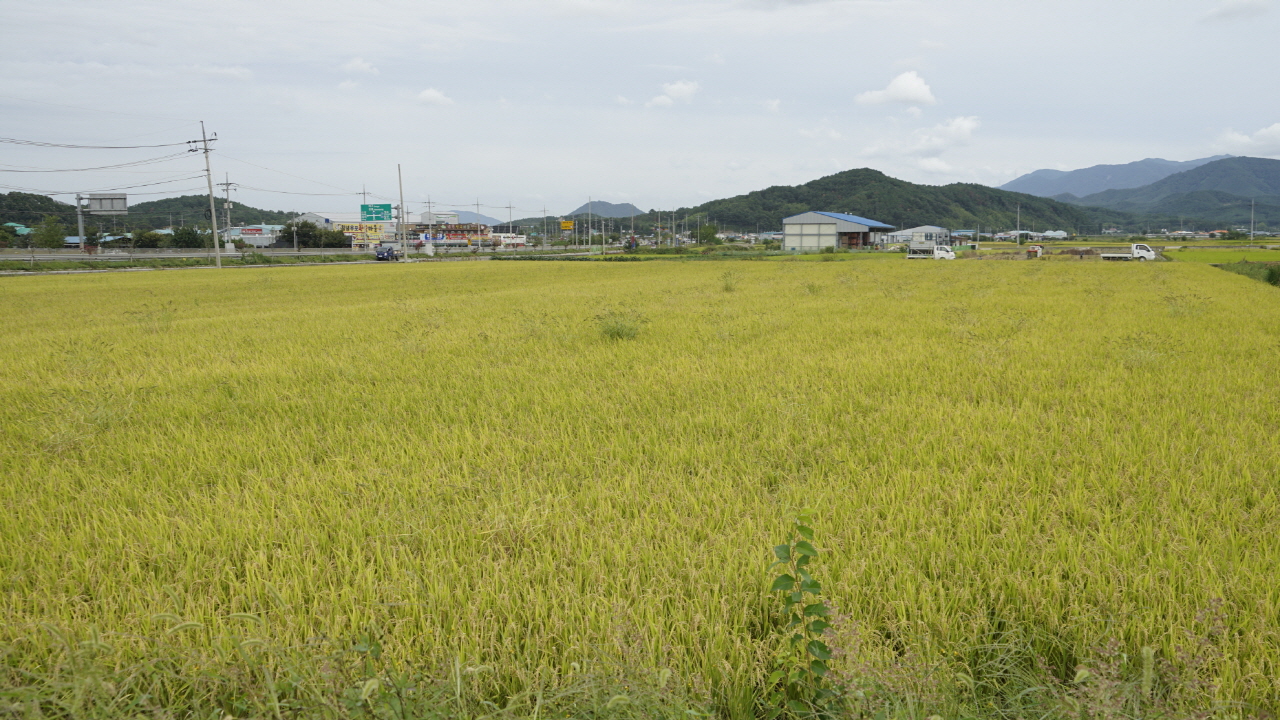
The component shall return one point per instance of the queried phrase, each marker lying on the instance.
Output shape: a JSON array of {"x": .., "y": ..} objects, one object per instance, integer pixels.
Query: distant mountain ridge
[
  {"x": 1220, "y": 191},
  {"x": 1090, "y": 180},
  {"x": 600, "y": 208},
  {"x": 872, "y": 194}
]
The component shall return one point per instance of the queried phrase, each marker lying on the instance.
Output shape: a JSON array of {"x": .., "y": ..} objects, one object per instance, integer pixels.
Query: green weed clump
[{"x": 222, "y": 491}]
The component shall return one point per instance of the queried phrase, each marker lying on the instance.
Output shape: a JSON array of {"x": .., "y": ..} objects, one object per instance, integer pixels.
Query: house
[{"x": 813, "y": 231}]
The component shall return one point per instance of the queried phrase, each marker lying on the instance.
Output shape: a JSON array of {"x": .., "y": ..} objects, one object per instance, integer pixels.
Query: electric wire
[
  {"x": 134, "y": 163},
  {"x": 38, "y": 143},
  {"x": 111, "y": 189}
]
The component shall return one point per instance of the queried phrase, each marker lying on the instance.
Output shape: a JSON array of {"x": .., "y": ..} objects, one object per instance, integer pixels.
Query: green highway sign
[{"x": 375, "y": 213}]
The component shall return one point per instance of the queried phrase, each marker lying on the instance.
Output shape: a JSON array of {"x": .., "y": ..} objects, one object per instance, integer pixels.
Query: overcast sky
[{"x": 656, "y": 102}]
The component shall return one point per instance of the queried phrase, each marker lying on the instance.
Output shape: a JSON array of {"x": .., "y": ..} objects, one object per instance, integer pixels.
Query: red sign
[{"x": 250, "y": 231}]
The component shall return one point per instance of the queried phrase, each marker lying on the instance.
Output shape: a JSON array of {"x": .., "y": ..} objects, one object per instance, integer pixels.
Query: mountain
[
  {"x": 468, "y": 216},
  {"x": 872, "y": 194},
  {"x": 1219, "y": 191},
  {"x": 194, "y": 209},
  {"x": 1090, "y": 180},
  {"x": 600, "y": 208},
  {"x": 29, "y": 209}
]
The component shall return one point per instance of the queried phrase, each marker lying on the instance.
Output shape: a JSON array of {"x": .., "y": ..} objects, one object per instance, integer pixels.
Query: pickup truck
[
  {"x": 932, "y": 252},
  {"x": 1137, "y": 251}
]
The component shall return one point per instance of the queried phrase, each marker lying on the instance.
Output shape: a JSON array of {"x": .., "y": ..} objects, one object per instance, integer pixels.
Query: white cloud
[
  {"x": 622, "y": 100},
  {"x": 821, "y": 133},
  {"x": 933, "y": 165},
  {"x": 1264, "y": 142},
  {"x": 229, "y": 71},
  {"x": 908, "y": 88},
  {"x": 348, "y": 85},
  {"x": 914, "y": 111},
  {"x": 929, "y": 143},
  {"x": 1236, "y": 9},
  {"x": 683, "y": 90},
  {"x": 772, "y": 105},
  {"x": 360, "y": 65},
  {"x": 433, "y": 96},
  {"x": 680, "y": 90}
]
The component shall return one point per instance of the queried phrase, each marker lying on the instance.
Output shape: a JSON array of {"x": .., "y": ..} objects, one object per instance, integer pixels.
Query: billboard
[
  {"x": 375, "y": 213},
  {"x": 566, "y": 224},
  {"x": 109, "y": 204}
]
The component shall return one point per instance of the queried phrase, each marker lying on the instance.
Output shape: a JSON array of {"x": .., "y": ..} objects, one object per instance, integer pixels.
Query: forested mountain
[
  {"x": 30, "y": 209},
  {"x": 1219, "y": 192},
  {"x": 1086, "y": 181},
  {"x": 872, "y": 194},
  {"x": 194, "y": 210},
  {"x": 600, "y": 208}
]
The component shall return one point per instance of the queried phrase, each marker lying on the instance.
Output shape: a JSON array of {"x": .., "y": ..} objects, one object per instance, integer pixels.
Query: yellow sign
[{"x": 566, "y": 224}]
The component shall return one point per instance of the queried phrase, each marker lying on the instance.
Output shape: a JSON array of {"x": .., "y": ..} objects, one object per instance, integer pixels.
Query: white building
[
  {"x": 927, "y": 233},
  {"x": 812, "y": 231},
  {"x": 256, "y": 235}
]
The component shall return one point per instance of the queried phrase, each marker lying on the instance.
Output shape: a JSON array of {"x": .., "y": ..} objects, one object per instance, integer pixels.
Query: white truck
[
  {"x": 1137, "y": 251},
  {"x": 929, "y": 250}
]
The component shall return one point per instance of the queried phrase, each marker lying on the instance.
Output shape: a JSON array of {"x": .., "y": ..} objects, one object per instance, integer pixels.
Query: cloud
[
  {"x": 929, "y": 143},
  {"x": 228, "y": 71},
  {"x": 821, "y": 133},
  {"x": 908, "y": 88},
  {"x": 1264, "y": 142},
  {"x": 360, "y": 65},
  {"x": 1237, "y": 9},
  {"x": 683, "y": 90},
  {"x": 772, "y": 105},
  {"x": 432, "y": 96},
  {"x": 622, "y": 100},
  {"x": 348, "y": 85}
]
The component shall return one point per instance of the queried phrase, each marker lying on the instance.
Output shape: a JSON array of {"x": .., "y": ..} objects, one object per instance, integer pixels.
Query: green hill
[
  {"x": 194, "y": 209},
  {"x": 871, "y": 193},
  {"x": 30, "y": 209}
]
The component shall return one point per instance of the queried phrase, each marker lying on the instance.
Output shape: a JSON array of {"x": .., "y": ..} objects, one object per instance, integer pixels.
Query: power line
[
  {"x": 73, "y": 192},
  {"x": 135, "y": 163},
  {"x": 37, "y": 143}
]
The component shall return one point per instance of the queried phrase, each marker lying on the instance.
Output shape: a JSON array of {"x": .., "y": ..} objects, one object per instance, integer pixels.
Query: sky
[{"x": 545, "y": 103}]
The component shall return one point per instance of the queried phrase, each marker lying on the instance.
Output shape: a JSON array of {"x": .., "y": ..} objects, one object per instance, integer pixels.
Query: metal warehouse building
[{"x": 812, "y": 231}]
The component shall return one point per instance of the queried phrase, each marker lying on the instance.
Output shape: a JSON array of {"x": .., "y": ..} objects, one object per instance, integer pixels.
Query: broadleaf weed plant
[{"x": 798, "y": 687}]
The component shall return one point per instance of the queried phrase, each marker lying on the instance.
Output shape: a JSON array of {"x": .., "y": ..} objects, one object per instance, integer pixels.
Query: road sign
[
  {"x": 566, "y": 224},
  {"x": 375, "y": 213},
  {"x": 109, "y": 204}
]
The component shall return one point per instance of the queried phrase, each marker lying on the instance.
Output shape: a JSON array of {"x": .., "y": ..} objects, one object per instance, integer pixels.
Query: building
[
  {"x": 927, "y": 233},
  {"x": 813, "y": 231},
  {"x": 362, "y": 233},
  {"x": 260, "y": 236}
]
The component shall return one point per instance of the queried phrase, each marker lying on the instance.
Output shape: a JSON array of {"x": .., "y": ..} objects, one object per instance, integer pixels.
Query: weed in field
[
  {"x": 620, "y": 324},
  {"x": 729, "y": 280}
]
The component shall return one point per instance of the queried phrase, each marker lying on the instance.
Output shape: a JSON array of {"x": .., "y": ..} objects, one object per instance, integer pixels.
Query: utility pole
[
  {"x": 544, "y": 227},
  {"x": 1251, "y": 204},
  {"x": 213, "y": 210},
  {"x": 226, "y": 206},
  {"x": 400, "y": 236},
  {"x": 477, "y": 223},
  {"x": 80, "y": 221}
]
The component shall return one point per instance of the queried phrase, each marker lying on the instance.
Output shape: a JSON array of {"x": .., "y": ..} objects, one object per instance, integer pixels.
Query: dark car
[{"x": 387, "y": 253}]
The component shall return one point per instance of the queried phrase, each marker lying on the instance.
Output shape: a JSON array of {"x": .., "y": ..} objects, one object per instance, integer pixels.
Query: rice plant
[{"x": 225, "y": 493}]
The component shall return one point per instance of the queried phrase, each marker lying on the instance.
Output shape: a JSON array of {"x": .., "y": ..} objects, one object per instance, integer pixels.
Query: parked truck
[
  {"x": 929, "y": 250},
  {"x": 1137, "y": 251}
]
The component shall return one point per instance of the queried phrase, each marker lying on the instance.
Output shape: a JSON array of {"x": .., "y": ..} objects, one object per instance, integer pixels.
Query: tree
[
  {"x": 49, "y": 234},
  {"x": 147, "y": 239},
  {"x": 8, "y": 238},
  {"x": 707, "y": 235},
  {"x": 309, "y": 235},
  {"x": 188, "y": 237}
]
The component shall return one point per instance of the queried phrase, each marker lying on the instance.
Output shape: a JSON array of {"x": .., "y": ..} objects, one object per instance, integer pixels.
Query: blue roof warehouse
[{"x": 813, "y": 231}]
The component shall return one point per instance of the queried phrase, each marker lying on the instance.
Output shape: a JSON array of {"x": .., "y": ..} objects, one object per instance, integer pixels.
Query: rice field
[{"x": 281, "y": 491}]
